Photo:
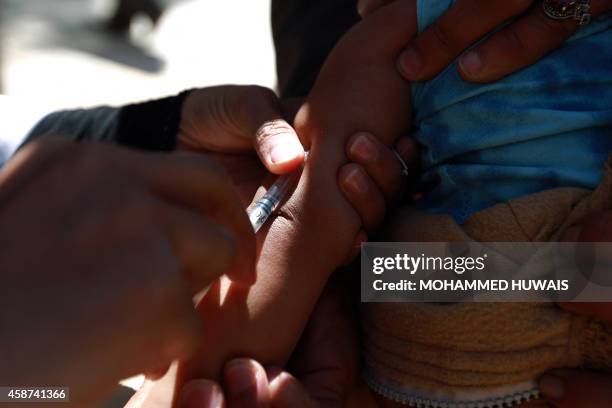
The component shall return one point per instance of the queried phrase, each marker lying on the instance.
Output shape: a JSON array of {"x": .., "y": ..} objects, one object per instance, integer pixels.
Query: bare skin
[
  {"x": 531, "y": 36},
  {"x": 101, "y": 243},
  {"x": 281, "y": 296},
  {"x": 298, "y": 251}
]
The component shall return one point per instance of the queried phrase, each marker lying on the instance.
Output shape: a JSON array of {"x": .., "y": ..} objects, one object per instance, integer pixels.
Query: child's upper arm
[{"x": 359, "y": 88}]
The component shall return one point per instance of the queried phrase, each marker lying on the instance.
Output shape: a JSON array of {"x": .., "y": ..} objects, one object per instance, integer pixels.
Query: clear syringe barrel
[{"x": 260, "y": 211}]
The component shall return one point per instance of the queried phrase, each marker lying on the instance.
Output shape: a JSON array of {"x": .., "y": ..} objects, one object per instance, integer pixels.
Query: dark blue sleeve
[{"x": 151, "y": 125}]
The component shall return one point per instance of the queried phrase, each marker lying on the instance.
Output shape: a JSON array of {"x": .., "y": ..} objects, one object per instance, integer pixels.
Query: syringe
[{"x": 260, "y": 211}]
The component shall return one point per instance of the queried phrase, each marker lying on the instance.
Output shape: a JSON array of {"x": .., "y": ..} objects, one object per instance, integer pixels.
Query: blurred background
[{"x": 57, "y": 54}]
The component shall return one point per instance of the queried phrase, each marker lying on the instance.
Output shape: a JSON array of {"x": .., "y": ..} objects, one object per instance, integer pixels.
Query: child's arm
[{"x": 358, "y": 89}]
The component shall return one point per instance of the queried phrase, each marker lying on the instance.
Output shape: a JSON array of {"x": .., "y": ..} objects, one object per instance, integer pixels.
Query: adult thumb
[{"x": 276, "y": 142}]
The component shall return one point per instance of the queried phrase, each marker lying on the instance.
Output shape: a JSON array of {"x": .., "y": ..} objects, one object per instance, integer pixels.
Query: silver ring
[
  {"x": 405, "y": 169},
  {"x": 579, "y": 10}
]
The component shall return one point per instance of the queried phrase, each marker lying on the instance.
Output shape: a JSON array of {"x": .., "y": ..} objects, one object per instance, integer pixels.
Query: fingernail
[
  {"x": 363, "y": 148},
  {"x": 208, "y": 396},
  {"x": 283, "y": 152},
  {"x": 410, "y": 63},
  {"x": 356, "y": 181},
  {"x": 552, "y": 387},
  {"x": 240, "y": 377},
  {"x": 471, "y": 63}
]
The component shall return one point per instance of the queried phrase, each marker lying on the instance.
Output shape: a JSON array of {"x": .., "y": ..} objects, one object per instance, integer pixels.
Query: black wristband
[{"x": 152, "y": 125}]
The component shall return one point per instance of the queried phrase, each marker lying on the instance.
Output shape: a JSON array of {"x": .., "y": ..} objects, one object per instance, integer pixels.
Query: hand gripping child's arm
[{"x": 358, "y": 89}]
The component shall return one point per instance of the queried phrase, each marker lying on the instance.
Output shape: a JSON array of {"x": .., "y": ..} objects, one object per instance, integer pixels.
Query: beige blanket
[{"x": 472, "y": 346}]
